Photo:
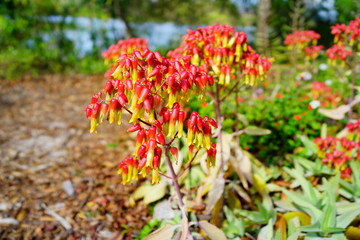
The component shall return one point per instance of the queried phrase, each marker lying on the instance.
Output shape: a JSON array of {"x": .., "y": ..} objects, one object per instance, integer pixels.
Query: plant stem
[
  {"x": 187, "y": 166},
  {"x": 178, "y": 193},
  {"x": 237, "y": 119},
  {"x": 219, "y": 122}
]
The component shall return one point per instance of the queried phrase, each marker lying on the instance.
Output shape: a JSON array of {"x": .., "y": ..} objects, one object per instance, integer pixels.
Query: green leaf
[
  {"x": 267, "y": 232},
  {"x": 355, "y": 166},
  {"x": 305, "y": 204},
  {"x": 311, "y": 228},
  {"x": 323, "y": 130},
  {"x": 255, "y": 217},
  {"x": 293, "y": 229},
  {"x": 338, "y": 236},
  {"x": 312, "y": 193},
  {"x": 213, "y": 232},
  {"x": 347, "y": 217},
  {"x": 256, "y": 131},
  {"x": 329, "y": 217},
  {"x": 236, "y": 225},
  {"x": 344, "y": 207},
  {"x": 165, "y": 232},
  {"x": 309, "y": 145}
]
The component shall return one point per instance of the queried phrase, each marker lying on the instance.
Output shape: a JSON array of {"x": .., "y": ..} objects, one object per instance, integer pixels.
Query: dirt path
[{"x": 49, "y": 163}]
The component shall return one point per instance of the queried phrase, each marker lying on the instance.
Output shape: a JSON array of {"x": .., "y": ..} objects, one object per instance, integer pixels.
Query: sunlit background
[{"x": 68, "y": 36}]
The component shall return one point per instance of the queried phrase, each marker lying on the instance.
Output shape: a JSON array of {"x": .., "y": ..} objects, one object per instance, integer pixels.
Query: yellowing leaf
[
  {"x": 213, "y": 232},
  {"x": 256, "y": 131},
  {"x": 150, "y": 193},
  {"x": 215, "y": 193},
  {"x": 259, "y": 183},
  {"x": 303, "y": 217},
  {"x": 164, "y": 233}
]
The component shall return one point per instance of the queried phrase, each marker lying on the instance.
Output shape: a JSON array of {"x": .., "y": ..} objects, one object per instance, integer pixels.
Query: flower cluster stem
[
  {"x": 178, "y": 194},
  {"x": 219, "y": 122}
]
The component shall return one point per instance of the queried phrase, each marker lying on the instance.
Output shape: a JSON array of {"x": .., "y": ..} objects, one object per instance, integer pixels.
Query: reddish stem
[
  {"x": 219, "y": 122},
  {"x": 187, "y": 166},
  {"x": 178, "y": 193}
]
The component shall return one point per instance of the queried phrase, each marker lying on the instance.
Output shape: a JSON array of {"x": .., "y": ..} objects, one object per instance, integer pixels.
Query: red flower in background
[
  {"x": 297, "y": 117},
  {"x": 338, "y": 152}
]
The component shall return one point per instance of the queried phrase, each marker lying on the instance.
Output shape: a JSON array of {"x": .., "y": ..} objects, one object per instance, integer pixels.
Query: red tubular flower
[
  {"x": 104, "y": 107},
  {"x": 160, "y": 137},
  {"x": 134, "y": 128},
  {"x": 108, "y": 88}
]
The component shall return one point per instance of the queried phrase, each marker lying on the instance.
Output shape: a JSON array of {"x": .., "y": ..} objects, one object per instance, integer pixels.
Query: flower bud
[
  {"x": 108, "y": 88},
  {"x": 152, "y": 132},
  {"x": 213, "y": 123},
  {"x": 122, "y": 99},
  {"x": 134, "y": 128},
  {"x": 94, "y": 98},
  {"x": 141, "y": 151},
  {"x": 161, "y": 139},
  {"x": 158, "y": 125},
  {"x": 88, "y": 112},
  {"x": 103, "y": 110},
  {"x": 143, "y": 95},
  {"x": 174, "y": 153}
]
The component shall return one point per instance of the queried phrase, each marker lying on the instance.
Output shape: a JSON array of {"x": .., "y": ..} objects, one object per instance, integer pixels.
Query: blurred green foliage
[{"x": 23, "y": 48}]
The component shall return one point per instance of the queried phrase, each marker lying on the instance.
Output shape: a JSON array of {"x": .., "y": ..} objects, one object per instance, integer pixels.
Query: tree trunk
[
  {"x": 262, "y": 31},
  {"x": 119, "y": 10}
]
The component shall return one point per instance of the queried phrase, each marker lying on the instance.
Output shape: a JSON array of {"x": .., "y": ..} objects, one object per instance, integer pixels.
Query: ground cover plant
[{"x": 194, "y": 131}]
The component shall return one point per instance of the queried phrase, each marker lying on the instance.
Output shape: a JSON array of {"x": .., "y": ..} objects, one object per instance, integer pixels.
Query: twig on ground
[{"x": 61, "y": 220}]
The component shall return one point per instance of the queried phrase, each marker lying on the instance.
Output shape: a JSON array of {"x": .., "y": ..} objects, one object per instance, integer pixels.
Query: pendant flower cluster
[
  {"x": 338, "y": 152},
  {"x": 337, "y": 54},
  {"x": 325, "y": 95},
  {"x": 346, "y": 39},
  {"x": 312, "y": 52},
  {"x": 347, "y": 34},
  {"x": 153, "y": 90},
  {"x": 305, "y": 42},
  {"x": 222, "y": 52},
  {"x": 302, "y": 39},
  {"x": 123, "y": 47}
]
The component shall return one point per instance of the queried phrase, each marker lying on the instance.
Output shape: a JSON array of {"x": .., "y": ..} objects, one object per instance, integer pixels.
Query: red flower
[
  {"x": 297, "y": 117},
  {"x": 279, "y": 95},
  {"x": 239, "y": 99}
]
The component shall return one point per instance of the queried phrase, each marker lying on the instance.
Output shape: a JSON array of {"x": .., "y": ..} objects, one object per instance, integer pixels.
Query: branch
[
  {"x": 172, "y": 140},
  {"x": 233, "y": 88},
  {"x": 187, "y": 165},
  {"x": 164, "y": 175},
  {"x": 140, "y": 120},
  {"x": 211, "y": 95}
]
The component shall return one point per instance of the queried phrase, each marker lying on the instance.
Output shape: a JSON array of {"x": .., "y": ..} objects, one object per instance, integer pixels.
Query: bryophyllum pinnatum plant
[{"x": 154, "y": 90}]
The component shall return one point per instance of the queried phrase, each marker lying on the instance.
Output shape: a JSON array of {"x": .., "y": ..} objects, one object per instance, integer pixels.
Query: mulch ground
[{"x": 57, "y": 181}]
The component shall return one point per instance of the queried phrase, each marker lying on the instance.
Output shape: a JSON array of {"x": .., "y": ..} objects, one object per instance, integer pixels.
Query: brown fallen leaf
[{"x": 22, "y": 214}]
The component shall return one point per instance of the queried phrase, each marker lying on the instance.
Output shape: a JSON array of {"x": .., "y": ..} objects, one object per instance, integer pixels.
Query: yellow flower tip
[{"x": 155, "y": 177}]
